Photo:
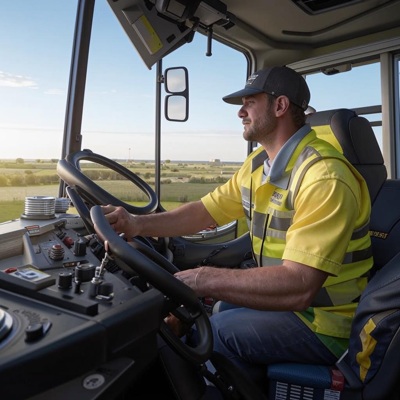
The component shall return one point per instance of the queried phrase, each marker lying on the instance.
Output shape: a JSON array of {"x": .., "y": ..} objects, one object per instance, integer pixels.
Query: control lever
[
  {"x": 106, "y": 259},
  {"x": 98, "y": 288}
]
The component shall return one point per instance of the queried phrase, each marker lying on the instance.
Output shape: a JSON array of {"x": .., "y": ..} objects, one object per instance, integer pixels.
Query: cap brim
[{"x": 236, "y": 98}]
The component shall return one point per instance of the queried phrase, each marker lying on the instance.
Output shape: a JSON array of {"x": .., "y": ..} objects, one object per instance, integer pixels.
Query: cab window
[{"x": 120, "y": 107}]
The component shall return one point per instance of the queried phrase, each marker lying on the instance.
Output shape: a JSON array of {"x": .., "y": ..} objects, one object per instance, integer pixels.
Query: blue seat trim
[{"x": 316, "y": 376}]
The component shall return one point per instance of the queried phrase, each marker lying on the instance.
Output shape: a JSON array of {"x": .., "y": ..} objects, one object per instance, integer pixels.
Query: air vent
[{"x": 314, "y": 7}]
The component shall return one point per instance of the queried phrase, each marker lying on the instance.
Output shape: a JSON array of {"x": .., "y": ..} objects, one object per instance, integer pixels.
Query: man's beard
[{"x": 261, "y": 128}]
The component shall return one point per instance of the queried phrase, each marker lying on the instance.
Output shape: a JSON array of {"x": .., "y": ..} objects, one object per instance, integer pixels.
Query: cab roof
[{"x": 269, "y": 32}]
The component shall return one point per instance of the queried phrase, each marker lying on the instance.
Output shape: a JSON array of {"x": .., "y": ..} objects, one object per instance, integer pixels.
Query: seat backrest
[
  {"x": 353, "y": 136},
  {"x": 375, "y": 337},
  {"x": 373, "y": 355},
  {"x": 385, "y": 223}
]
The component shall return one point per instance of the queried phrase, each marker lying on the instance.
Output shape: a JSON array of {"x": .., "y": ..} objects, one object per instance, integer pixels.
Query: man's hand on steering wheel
[{"x": 120, "y": 220}]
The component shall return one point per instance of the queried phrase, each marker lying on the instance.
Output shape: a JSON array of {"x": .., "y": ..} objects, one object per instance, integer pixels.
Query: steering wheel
[
  {"x": 70, "y": 172},
  {"x": 81, "y": 207},
  {"x": 158, "y": 272}
]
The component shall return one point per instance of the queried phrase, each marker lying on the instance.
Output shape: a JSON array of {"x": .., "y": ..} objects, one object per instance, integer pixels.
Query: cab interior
[{"x": 312, "y": 36}]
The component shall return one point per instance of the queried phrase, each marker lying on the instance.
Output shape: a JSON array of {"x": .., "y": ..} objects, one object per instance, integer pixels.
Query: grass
[
  {"x": 11, "y": 210},
  {"x": 175, "y": 186},
  {"x": 12, "y": 199}
]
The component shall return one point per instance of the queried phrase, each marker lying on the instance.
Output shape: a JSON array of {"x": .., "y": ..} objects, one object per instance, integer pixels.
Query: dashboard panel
[{"x": 62, "y": 316}]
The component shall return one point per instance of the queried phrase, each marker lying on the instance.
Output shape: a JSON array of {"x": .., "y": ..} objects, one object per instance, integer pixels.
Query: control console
[{"x": 62, "y": 314}]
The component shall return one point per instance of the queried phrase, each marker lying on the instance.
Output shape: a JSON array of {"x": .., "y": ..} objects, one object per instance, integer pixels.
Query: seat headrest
[
  {"x": 353, "y": 136},
  {"x": 349, "y": 133}
]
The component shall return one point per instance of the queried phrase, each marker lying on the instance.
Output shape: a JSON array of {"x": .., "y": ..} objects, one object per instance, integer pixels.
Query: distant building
[{"x": 215, "y": 161}]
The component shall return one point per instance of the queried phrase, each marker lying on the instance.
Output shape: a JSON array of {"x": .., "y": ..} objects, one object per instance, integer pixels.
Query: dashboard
[{"x": 68, "y": 326}]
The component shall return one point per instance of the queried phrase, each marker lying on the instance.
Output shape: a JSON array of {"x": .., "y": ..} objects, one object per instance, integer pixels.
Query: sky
[{"x": 118, "y": 121}]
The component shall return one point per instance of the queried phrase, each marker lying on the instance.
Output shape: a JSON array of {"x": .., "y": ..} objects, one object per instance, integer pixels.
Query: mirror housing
[{"x": 176, "y": 84}]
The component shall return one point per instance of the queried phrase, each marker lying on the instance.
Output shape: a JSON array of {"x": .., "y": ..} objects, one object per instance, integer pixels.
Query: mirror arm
[{"x": 209, "y": 41}]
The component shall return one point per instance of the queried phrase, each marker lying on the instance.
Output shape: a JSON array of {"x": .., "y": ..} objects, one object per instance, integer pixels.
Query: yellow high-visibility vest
[{"x": 287, "y": 219}]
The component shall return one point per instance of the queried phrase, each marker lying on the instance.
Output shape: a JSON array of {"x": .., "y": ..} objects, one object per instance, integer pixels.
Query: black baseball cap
[{"x": 277, "y": 81}]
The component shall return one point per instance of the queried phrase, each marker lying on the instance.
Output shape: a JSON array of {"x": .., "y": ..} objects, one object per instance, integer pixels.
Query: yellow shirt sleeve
[{"x": 225, "y": 203}]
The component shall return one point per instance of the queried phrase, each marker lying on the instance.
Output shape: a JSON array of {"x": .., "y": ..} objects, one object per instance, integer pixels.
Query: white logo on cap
[{"x": 251, "y": 79}]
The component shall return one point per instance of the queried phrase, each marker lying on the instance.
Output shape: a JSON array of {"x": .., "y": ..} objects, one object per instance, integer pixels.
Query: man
[{"x": 307, "y": 210}]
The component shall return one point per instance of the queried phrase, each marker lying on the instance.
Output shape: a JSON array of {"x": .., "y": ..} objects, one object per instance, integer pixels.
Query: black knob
[
  {"x": 37, "y": 330},
  {"x": 80, "y": 247},
  {"x": 34, "y": 332},
  {"x": 65, "y": 280},
  {"x": 84, "y": 272}
]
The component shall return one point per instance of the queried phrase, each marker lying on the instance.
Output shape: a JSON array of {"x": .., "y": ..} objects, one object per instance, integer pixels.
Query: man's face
[{"x": 258, "y": 117}]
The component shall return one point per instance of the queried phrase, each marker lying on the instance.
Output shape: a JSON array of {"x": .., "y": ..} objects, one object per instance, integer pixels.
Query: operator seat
[
  {"x": 353, "y": 136},
  {"x": 385, "y": 223},
  {"x": 370, "y": 368}
]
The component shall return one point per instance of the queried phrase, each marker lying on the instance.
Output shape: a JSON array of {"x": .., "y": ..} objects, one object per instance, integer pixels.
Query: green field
[{"x": 180, "y": 182}]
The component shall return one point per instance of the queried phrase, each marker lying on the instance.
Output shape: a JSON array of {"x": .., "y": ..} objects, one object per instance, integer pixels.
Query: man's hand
[
  {"x": 120, "y": 220},
  {"x": 191, "y": 277}
]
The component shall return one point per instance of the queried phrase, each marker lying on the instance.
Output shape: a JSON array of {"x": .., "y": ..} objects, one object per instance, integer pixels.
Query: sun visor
[{"x": 152, "y": 34}]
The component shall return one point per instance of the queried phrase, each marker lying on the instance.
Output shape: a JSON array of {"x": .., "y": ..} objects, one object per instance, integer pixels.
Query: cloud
[{"x": 9, "y": 80}]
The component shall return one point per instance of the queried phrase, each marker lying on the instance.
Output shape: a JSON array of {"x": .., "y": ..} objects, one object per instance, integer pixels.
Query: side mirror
[{"x": 176, "y": 83}]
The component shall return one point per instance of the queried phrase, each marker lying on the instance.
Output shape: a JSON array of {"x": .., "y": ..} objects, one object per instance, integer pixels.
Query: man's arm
[
  {"x": 290, "y": 286},
  {"x": 187, "y": 219}
]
